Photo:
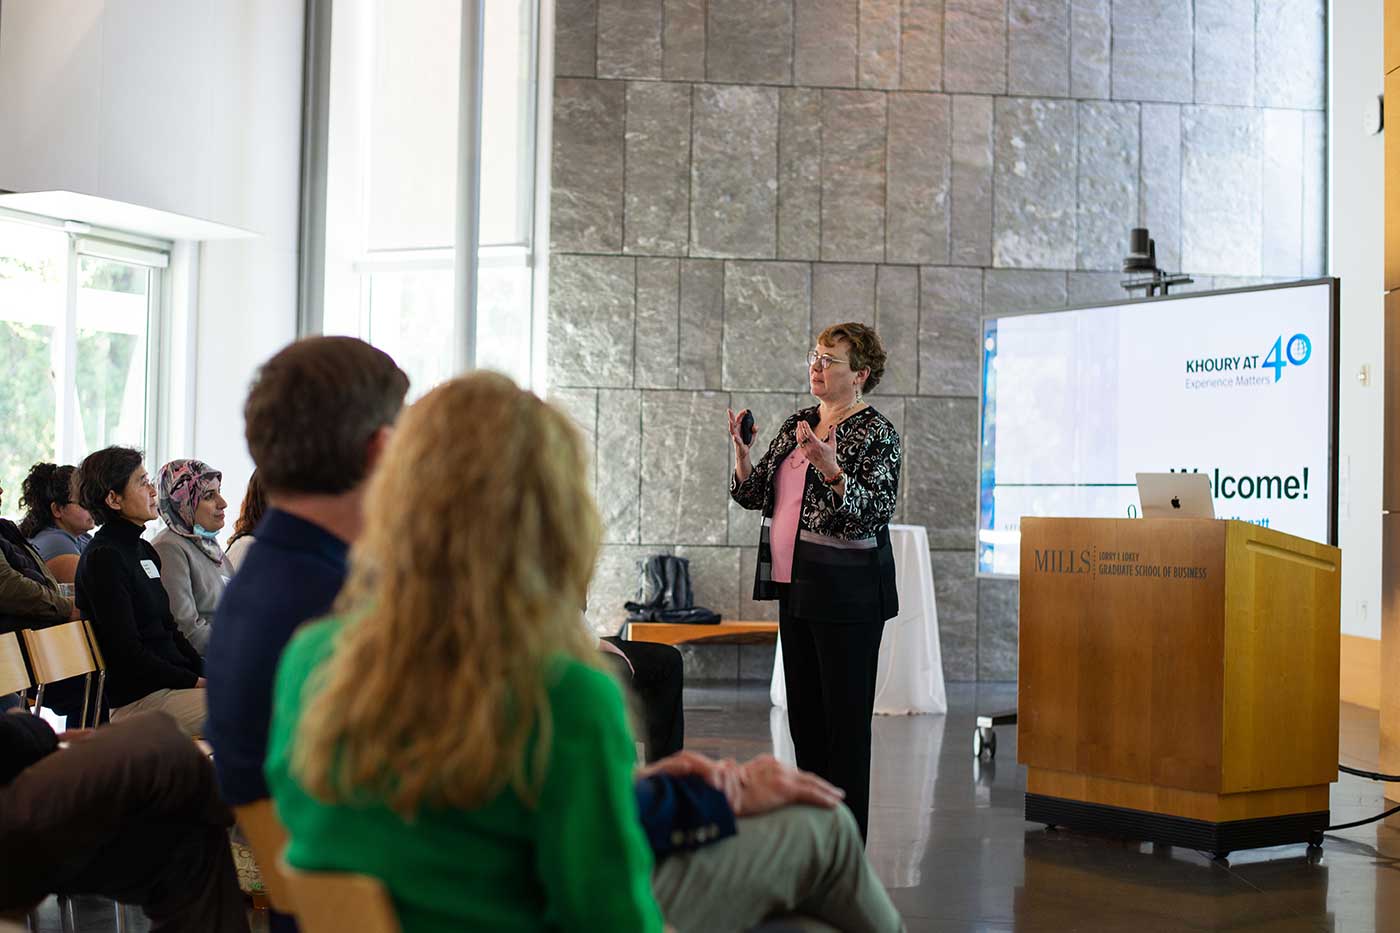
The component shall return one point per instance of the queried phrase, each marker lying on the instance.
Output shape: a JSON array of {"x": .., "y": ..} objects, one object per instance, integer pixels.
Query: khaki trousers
[
  {"x": 798, "y": 860},
  {"x": 186, "y": 707}
]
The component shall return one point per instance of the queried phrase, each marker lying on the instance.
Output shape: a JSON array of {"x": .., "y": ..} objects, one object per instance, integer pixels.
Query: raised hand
[
  {"x": 741, "y": 450},
  {"x": 821, "y": 454}
]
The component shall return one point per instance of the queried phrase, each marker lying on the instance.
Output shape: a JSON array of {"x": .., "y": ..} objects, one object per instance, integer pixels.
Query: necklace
[
  {"x": 799, "y": 459},
  {"x": 837, "y": 415},
  {"x": 856, "y": 401}
]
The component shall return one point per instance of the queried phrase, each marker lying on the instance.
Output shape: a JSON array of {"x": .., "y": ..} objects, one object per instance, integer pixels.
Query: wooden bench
[{"x": 722, "y": 633}]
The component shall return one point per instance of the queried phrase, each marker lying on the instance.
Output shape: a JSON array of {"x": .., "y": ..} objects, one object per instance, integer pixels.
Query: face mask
[{"x": 205, "y": 533}]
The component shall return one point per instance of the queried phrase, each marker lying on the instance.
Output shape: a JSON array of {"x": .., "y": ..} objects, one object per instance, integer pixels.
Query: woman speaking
[{"x": 827, "y": 487}]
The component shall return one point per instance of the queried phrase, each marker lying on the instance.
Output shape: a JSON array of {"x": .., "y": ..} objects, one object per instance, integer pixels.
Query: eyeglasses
[{"x": 822, "y": 360}]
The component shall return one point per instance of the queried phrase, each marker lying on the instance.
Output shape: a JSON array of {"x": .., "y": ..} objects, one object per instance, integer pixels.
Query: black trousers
[
  {"x": 658, "y": 679},
  {"x": 182, "y": 876},
  {"x": 829, "y": 670},
  {"x": 132, "y": 813}
]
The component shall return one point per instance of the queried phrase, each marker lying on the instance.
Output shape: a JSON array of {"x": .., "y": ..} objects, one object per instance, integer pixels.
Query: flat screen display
[{"x": 1239, "y": 385}]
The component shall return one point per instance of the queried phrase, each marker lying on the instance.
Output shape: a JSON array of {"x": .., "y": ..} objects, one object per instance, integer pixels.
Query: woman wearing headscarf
[{"x": 192, "y": 563}]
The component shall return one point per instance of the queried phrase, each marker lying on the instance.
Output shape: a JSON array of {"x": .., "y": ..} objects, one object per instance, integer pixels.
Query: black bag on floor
[{"x": 664, "y": 594}]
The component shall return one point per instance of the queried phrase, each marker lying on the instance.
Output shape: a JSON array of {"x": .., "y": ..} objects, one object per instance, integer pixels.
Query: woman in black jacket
[
  {"x": 827, "y": 487},
  {"x": 150, "y": 665}
]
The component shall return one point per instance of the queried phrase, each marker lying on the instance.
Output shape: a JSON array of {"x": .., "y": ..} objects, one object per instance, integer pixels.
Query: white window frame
[
  {"x": 533, "y": 207},
  {"x": 85, "y": 240}
]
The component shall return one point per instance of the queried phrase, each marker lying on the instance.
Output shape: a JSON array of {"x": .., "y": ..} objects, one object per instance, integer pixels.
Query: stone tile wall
[{"x": 729, "y": 176}]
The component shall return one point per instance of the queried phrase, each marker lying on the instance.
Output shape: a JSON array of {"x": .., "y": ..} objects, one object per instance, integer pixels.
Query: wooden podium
[{"x": 1178, "y": 680}]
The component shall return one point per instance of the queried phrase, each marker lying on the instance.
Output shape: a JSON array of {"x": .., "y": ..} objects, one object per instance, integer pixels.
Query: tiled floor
[{"x": 948, "y": 838}]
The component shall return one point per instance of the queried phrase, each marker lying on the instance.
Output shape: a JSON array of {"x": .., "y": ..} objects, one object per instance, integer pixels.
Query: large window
[
  {"x": 79, "y": 313},
  {"x": 392, "y": 167}
]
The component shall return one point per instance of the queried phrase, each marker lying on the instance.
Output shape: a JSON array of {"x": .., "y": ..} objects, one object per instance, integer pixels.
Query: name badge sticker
[{"x": 150, "y": 567}]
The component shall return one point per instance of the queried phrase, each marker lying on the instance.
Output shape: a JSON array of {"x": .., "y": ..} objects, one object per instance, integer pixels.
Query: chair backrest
[
  {"x": 14, "y": 675},
  {"x": 267, "y": 838},
  {"x": 336, "y": 902},
  {"x": 59, "y": 652},
  {"x": 93, "y": 646}
]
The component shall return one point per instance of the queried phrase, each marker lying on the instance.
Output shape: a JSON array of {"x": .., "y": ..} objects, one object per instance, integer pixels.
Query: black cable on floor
[
  {"x": 1370, "y": 775},
  {"x": 1369, "y": 819}
]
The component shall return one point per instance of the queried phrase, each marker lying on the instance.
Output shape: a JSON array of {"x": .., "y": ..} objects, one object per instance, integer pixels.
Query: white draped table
[{"x": 910, "y": 678}]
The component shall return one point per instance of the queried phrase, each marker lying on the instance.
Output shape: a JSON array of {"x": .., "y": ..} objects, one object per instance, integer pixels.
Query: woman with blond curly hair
[{"x": 449, "y": 730}]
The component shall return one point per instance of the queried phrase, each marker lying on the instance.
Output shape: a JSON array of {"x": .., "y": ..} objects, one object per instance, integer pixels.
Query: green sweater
[{"x": 577, "y": 860}]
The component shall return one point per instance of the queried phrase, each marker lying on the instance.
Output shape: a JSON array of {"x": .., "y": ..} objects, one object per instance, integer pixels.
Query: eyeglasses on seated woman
[{"x": 150, "y": 663}]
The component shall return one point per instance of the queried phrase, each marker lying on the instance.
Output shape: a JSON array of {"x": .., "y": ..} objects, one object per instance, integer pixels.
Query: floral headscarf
[{"x": 183, "y": 484}]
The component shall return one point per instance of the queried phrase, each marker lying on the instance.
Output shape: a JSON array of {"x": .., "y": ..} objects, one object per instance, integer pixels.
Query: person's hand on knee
[
  {"x": 766, "y": 784},
  {"x": 723, "y": 776}
]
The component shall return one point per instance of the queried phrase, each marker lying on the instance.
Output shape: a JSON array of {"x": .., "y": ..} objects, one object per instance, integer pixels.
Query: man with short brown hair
[
  {"x": 313, "y": 411},
  {"x": 318, "y": 415}
]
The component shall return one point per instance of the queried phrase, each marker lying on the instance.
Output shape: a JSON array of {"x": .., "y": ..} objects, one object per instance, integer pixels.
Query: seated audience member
[
  {"x": 316, "y": 418},
  {"x": 150, "y": 664},
  {"x": 29, "y": 595},
  {"x": 130, "y": 812},
  {"x": 57, "y": 526},
  {"x": 192, "y": 567},
  {"x": 657, "y": 675},
  {"x": 249, "y": 514},
  {"x": 450, "y": 730}
]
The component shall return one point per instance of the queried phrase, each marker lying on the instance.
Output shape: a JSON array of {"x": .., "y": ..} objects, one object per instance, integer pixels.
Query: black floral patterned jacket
[{"x": 843, "y": 567}]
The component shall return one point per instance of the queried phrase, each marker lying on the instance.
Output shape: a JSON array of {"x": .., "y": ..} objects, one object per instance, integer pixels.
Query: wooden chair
[
  {"x": 267, "y": 838},
  {"x": 14, "y": 673},
  {"x": 58, "y": 653},
  {"x": 337, "y": 902},
  {"x": 55, "y": 654}
]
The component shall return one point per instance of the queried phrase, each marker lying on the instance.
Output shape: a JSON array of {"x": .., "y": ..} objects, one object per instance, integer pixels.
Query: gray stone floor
[{"x": 948, "y": 839}]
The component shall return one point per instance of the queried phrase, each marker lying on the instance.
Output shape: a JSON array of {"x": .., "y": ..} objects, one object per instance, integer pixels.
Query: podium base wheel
[{"x": 984, "y": 740}]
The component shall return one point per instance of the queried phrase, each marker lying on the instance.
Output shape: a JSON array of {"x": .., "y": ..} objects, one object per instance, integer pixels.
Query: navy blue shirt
[{"x": 290, "y": 575}]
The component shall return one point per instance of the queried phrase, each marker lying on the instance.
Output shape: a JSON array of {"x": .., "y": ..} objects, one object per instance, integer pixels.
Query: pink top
[{"x": 787, "y": 513}]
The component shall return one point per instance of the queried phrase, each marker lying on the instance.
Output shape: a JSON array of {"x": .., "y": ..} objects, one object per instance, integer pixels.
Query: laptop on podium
[{"x": 1175, "y": 495}]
